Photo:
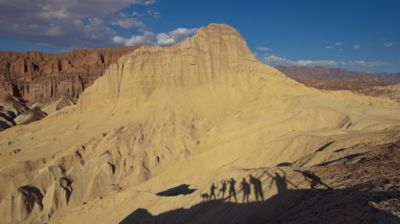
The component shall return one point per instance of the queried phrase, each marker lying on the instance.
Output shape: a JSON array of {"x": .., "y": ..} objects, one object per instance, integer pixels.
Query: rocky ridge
[
  {"x": 378, "y": 85},
  {"x": 36, "y": 76}
]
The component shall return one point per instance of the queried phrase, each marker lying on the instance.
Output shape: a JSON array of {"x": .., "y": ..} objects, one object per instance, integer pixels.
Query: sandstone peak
[
  {"x": 225, "y": 35},
  {"x": 217, "y": 51},
  {"x": 217, "y": 29}
]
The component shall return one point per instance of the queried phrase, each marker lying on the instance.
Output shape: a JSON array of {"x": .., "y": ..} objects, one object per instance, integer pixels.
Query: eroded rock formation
[
  {"x": 36, "y": 76},
  {"x": 10, "y": 108}
]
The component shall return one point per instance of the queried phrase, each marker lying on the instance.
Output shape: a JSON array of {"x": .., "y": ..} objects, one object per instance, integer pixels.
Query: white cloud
[
  {"x": 280, "y": 61},
  {"x": 329, "y": 47},
  {"x": 356, "y": 46},
  {"x": 162, "y": 39},
  {"x": 325, "y": 63},
  {"x": 144, "y": 2},
  {"x": 127, "y": 22},
  {"x": 338, "y": 44},
  {"x": 66, "y": 23},
  {"x": 135, "y": 40},
  {"x": 166, "y": 39},
  {"x": 263, "y": 49},
  {"x": 363, "y": 63},
  {"x": 388, "y": 44}
]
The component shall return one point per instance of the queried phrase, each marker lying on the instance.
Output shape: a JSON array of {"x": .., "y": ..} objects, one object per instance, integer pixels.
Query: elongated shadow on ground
[
  {"x": 182, "y": 189},
  {"x": 290, "y": 206}
]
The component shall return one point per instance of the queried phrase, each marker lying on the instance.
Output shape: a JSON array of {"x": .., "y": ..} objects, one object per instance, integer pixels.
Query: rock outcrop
[
  {"x": 29, "y": 116},
  {"x": 35, "y": 76},
  {"x": 10, "y": 108}
]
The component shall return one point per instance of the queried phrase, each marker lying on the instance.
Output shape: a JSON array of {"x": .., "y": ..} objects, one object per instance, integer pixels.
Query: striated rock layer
[
  {"x": 196, "y": 113},
  {"x": 36, "y": 76},
  {"x": 212, "y": 54}
]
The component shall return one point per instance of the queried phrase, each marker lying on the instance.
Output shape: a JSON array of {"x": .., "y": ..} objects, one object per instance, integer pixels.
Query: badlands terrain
[
  {"x": 35, "y": 84},
  {"x": 149, "y": 138}
]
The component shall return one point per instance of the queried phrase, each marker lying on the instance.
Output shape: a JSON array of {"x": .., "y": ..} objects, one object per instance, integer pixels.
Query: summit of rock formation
[{"x": 147, "y": 140}]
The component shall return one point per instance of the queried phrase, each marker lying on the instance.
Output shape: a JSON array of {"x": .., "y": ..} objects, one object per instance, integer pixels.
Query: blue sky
[{"x": 358, "y": 35}]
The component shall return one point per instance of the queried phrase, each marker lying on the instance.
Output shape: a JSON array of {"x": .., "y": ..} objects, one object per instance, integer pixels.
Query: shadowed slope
[{"x": 292, "y": 206}]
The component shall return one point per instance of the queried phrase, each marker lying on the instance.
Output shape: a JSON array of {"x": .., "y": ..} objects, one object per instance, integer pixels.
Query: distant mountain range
[{"x": 338, "y": 78}]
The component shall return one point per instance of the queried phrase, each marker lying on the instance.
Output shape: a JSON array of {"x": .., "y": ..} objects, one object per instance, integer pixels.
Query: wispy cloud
[
  {"x": 151, "y": 13},
  {"x": 356, "y": 46},
  {"x": 337, "y": 46},
  {"x": 274, "y": 60},
  {"x": 363, "y": 63},
  {"x": 128, "y": 22},
  {"x": 388, "y": 44},
  {"x": 154, "y": 14},
  {"x": 264, "y": 49}
]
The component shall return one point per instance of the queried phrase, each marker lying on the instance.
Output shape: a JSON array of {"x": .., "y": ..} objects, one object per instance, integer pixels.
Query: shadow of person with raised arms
[
  {"x": 280, "y": 181},
  {"x": 232, "y": 190},
  {"x": 257, "y": 185}
]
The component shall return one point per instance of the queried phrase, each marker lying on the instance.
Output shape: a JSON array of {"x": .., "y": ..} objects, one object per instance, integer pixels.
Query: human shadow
[
  {"x": 246, "y": 190},
  {"x": 257, "y": 186},
  {"x": 352, "y": 205},
  {"x": 213, "y": 188},
  {"x": 281, "y": 181},
  {"x": 232, "y": 189},
  {"x": 313, "y": 179},
  {"x": 222, "y": 189},
  {"x": 289, "y": 206}
]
